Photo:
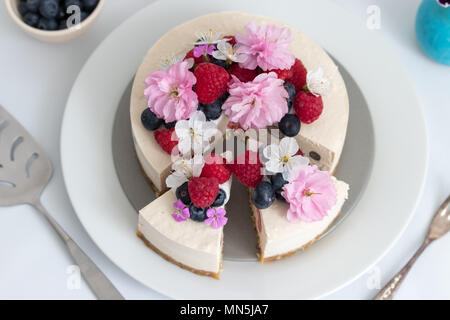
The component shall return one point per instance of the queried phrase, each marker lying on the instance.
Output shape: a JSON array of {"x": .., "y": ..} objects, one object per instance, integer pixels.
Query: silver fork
[
  {"x": 438, "y": 227},
  {"x": 25, "y": 170}
]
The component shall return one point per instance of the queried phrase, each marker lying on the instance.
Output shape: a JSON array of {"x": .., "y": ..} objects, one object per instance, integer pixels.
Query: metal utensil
[
  {"x": 438, "y": 227},
  {"x": 24, "y": 172}
]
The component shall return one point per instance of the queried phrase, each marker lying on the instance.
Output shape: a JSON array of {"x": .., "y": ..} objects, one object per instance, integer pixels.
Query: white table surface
[{"x": 35, "y": 81}]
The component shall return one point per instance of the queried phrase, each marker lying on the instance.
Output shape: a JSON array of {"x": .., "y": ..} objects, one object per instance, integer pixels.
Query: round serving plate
[{"x": 381, "y": 203}]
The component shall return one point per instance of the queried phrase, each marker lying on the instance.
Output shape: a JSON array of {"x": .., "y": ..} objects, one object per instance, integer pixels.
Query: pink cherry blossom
[
  {"x": 169, "y": 92},
  {"x": 265, "y": 46},
  {"x": 258, "y": 103},
  {"x": 182, "y": 212},
  {"x": 310, "y": 195},
  {"x": 216, "y": 217}
]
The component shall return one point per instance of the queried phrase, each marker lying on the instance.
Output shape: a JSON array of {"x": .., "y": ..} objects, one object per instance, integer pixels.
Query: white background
[{"x": 35, "y": 80}]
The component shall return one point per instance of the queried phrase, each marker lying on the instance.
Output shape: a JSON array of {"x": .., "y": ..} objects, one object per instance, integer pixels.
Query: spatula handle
[{"x": 97, "y": 281}]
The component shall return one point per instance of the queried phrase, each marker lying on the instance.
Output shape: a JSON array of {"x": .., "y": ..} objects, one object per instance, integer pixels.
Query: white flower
[
  {"x": 184, "y": 169},
  {"x": 209, "y": 37},
  {"x": 225, "y": 51},
  {"x": 281, "y": 158},
  {"x": 173, "y": 58},
  {"x": 317, "y": 84},
  {"x": 195, "y": 134}
]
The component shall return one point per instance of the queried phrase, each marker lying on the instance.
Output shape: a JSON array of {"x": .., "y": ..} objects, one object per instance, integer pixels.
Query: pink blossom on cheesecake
[
  {"x": 258, "y": 103},
  {"x": 310, "y": 195},
  {"x": 265, "y": 46},
  {"x": 169, "y": 92}
]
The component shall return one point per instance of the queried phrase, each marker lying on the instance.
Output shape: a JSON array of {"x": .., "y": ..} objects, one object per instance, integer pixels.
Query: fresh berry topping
[
  {"x": 47, "y": 24},
  {"x": 22, "y": 8},
  {"x": 220, "y": 199},
  {"x": 218, "y": 62},
  {"x": 245, "y": 75},
  {"x": 197, "y": 60},
  {"x": 299, "y": 153},
  {"x": 31, "y": 19},
  {"x": 263, "y": 195},
  {"x": 203, "y": 191},
  {"x": 277, "y": 181},
  {"x": 212, "y": 81},
  {"x": 279, "y": 196},
  {"x": 150, "y": 120},
  {"x": 308, "y": 107},
  {"x": 247, "y": 168},
  {"x": 197, "y": 214},
  {"x": 182, "y": 193},
  {"x": 283, "y": 74},
  {"x": 90, "y": 4},
  {"x": 289, "y": 125},
  {"x": 298, "y": 78},
  {"x": 290, "y": 88},
  {"x": 213, "y": 110},
  {"x": 49, "y": 8},
  {"x": 170, "y": 125},
  {"x": 33, "y": 5},
  {"x": 232, "y": 40},
  {"x": 215, "y": 168},
  {"x": 166, "y": 139}
]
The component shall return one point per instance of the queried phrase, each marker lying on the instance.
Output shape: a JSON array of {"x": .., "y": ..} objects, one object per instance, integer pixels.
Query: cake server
[
  {"x": 25, "y": 170},
  {"x": 439, "y": 226}
]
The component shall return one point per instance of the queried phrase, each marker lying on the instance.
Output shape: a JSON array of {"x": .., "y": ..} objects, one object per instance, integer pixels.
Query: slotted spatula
[{"x": 24, "y": 172}]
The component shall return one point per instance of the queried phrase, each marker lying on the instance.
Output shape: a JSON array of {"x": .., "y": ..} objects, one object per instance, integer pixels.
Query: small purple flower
[
  {"x": 182, "y": 212},
  {"x": 204, "y": 50},
  {"x": 216, "y": 217}
]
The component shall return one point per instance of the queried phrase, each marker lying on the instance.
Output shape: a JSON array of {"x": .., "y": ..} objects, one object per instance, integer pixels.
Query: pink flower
[
  {"x": 310, "y": 195},
  {"x": 182, "y": 212},
  {"x": 216, "y": 217},
  {"x": 169, "y": 93},
  {"x": 265, "y": 46},
  {"x": 204, "y": 50},
  {"x": 258, "y": 103}
]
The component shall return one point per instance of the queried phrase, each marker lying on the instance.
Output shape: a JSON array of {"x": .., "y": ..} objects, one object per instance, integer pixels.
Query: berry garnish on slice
[
  {"x": 149, "y": 120},
  {"x": 197, "y": 214},
  {"x": 289, "y": 125},
  {"x": 203, "y": 191},
  {"x": 166, "y": 139},
  {"x": 182, "y": 193},
  {"x": 308, "y": 107},
  {"x": 299, "y": 73},
  {"x": 212, "y": 82},
  {"x": 277, "y": 180},
  {"x": 247, "y": 168},
  {"x": 215, "y": 168},
  {"x": 220, "y": 199},
  {"x": 263, "y": 195}
]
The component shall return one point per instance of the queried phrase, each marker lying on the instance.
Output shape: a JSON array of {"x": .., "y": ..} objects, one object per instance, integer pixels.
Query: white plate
[{"x": 376, "y": 222}]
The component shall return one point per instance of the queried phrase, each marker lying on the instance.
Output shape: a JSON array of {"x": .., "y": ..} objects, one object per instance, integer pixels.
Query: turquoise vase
[{"x": 433, "y": 29}]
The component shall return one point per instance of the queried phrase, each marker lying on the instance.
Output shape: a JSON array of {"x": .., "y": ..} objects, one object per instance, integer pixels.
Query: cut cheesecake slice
[
  {"x": 321, "y": 140},
  {"x": 279, "y": 238}
]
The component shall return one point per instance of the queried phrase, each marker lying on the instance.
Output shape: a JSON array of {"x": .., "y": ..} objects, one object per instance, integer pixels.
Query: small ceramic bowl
[{"x": 53, "y": 36}]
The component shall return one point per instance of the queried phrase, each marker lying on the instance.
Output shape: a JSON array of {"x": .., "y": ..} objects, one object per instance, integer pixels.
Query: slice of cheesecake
[{"x": 279, "y": 238}]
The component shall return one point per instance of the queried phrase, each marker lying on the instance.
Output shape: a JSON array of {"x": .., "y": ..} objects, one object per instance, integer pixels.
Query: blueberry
[
  {"x": 23, "y": 9},
  {"x": 279, "y": 196},
  {"x": 68, "y": 3},
  {"x": 263, "y": 195},
  {"x": 220, "y": 199},
  {"x": 182, "y": 193},
  {"x": 83, "y": 15},
  {"x": 62, "y": 25},
  {"x": 49, "y": 8},
  {"x": 221, "y": 63},
  {"x": 197, "y": 214},
  {"x": 90, "y": 4},
  {"x": 170, "y": 125},
  {"x": 47, "y": 24},
  {"x": 61, "y": 14},
  {"x": 290, "y": 88},
  {"x": 213, "y": 110},
  {"x": 31, "y": 19},
  {"x": 289, "y": 125},
  {"x": 224, "y": 96},
  {"x": 201, "y": 107},
  {"x": 33, "y": 5},
  {"x": 277, "y": 181},
  {"x": 150, "y": 120}
]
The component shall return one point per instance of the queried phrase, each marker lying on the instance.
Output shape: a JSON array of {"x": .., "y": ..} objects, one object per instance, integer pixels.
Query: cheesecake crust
[{"x": 214, "y": 275}]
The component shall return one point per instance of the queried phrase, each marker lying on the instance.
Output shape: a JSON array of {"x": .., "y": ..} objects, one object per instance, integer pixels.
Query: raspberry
[
  {"x": 299, "y": 153},
  {"x": 190, "y": 54},
  {"x": 164, "y": 139},
  {"x": 283, "y": 74},
  {"x": 298, "y": 78},
  {"x": 245, "y": 75},
  {"x": 215, "y": 168},
  {"x": 203, "y": 191},
  {"x": 308, "y": 107},
  {"x": 247, "y": 168},
  {"x": 212, "y": 82},
  {"x": 232, "y": 40}
]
